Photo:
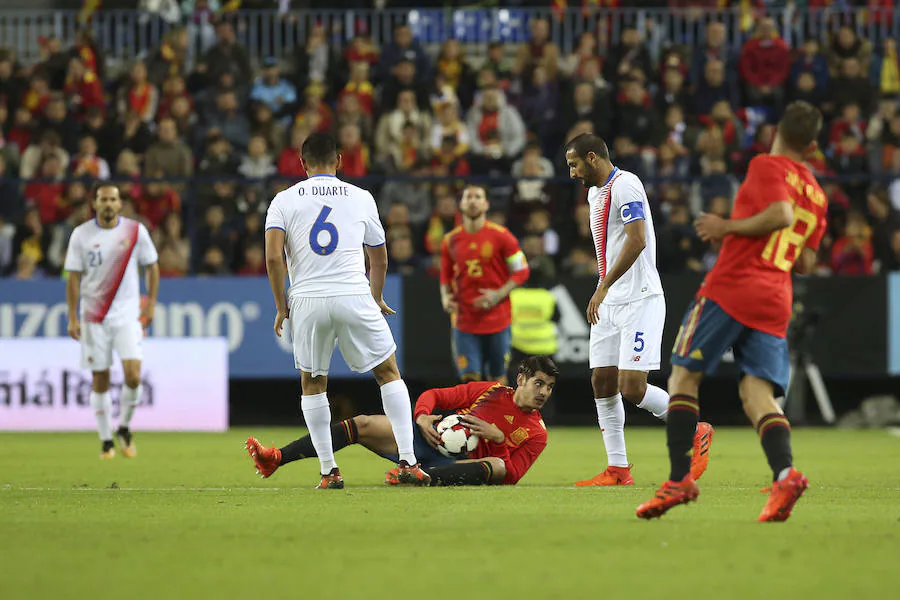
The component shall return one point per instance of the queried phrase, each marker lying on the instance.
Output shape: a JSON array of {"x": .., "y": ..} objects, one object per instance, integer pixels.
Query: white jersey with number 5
[
  {"x": 326, "y": 221},
  {"x": 618, "y": 202},
  {"x": 108, "y": 260}
]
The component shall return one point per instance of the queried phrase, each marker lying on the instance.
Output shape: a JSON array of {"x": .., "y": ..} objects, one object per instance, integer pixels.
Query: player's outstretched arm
[
  {"x": 775, "y": 216},
  {"x": 277, "y": 271}
]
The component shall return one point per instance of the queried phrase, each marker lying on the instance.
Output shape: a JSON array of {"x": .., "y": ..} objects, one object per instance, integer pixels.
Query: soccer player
[
  {"x": 481, "y": 263},
  {"x": 321, "y": 225},
  {"x": 628, "y": 310},
  {"x": 745, "y": 303},
  {"x": 507, "y": 420},
  {"x": 102, "y": 261}
]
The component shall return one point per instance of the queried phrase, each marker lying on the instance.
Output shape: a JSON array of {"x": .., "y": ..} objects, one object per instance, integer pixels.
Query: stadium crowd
[{"x": 220, "y": 136}]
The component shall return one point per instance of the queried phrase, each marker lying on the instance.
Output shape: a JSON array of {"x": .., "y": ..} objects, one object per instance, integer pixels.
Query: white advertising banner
[{"x": 43, "y": 388}]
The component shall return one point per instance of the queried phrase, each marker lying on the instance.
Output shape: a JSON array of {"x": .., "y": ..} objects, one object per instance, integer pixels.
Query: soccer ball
[{"x": 456, "y": 439}]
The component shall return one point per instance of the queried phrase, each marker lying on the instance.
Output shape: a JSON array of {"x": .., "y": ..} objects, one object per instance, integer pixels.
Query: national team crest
[
  {"x": 518, "y": 436},
  {"x": 487, "y": 250}
]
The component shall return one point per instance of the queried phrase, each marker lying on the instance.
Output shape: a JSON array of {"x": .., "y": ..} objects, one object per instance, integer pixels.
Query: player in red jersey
[
  {"x": 745, "y": 303},
  {"x": 481, "y": 263},
  {"x": 507, "y": 420}
]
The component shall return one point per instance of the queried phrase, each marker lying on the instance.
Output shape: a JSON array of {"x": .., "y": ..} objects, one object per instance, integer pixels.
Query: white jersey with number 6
[{"x": 326, "y": 221}]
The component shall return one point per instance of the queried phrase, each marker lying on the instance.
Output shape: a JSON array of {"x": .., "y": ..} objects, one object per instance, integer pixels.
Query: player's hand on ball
[
  {"x": 426, "y": 424},
  {"x": 75, "y": 329},
  {"x": 483, "y": 429},
  {"x": 710, "y": 227},
  {"x": 594, "y": 304},
  {"x": 385, "y": 309},
  {"x": 279, "y": 320}
]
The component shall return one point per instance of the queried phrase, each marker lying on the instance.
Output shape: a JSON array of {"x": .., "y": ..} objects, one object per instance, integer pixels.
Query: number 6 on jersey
[{"x": 322, "y": 226}]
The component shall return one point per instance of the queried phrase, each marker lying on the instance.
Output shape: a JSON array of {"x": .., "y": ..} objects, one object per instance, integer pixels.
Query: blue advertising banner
[
  {"x": 240, "y": 309},
  {"x": 894, "y": 324}
]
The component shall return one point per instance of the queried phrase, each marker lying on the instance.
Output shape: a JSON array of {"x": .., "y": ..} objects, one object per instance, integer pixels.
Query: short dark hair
[
  {"x": 104, "y": 184},
  {"x": 531, "y": 365},
  {"x": 800, "y": 125},
  {"x": 319, "y": 149},
  {"x": 585, "y": 143},
  {"x": 480, "y": 186}
]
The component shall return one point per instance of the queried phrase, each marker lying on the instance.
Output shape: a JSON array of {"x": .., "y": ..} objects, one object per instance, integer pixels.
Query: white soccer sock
[
  {"x": 128, "y": 401},
  {"x": 611, "y": 416},
  {"x": 102, "y": 407},
  {"x": 317, "y": 414},
  {"x": 395, "y": 400},
  {"x": 656, "y": 402}
]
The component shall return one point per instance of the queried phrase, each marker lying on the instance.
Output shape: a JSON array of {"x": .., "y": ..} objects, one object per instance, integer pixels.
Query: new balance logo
[
  {"x": 696, "y": 354},
  {"x": 636, "y": 359}
]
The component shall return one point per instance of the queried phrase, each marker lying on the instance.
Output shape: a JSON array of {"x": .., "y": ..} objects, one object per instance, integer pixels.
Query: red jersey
[
  {"x": 751, "y": 280},
  {"x": 526, "y": 435},
  {"x": 471, "y": 262}
]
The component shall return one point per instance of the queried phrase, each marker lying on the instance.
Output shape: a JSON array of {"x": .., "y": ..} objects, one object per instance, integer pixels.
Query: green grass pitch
[{"x": 189, "y": 518}]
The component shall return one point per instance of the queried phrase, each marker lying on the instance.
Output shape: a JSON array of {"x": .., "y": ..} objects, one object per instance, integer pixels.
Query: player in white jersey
[
  {"x": 320, "y": 226},
  {"x": 102, "y": 263},
  {"x": 628, "y": 310}
]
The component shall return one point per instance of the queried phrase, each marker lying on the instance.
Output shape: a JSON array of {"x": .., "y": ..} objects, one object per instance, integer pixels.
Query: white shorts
[
  {"x": 629, "y": 336},
  {"x": 354, "y": 322},
  {"x": 98, "y": 340}
]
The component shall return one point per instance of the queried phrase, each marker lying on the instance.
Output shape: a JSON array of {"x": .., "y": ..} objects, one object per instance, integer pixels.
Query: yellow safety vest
[{"x": 533, "y": 331}]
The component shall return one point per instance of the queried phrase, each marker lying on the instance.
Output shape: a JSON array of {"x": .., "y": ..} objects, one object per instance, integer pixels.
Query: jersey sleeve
[
  {"x": 446, "y": 262},
  {"x": 146, "y": 251},
  {"x": 374, "y": 235},
  {"x": 765, "y": 183},
  {"x": 275, "y": 216},
  {"x": 74, "y": 255},
  {"x": 629, "y": 199},
  {"x": 521, "y": 458},
  {"x": 450, "y": 399},
  {"x": 815, "y": 239},
  {"x": 515, "y": 259}
]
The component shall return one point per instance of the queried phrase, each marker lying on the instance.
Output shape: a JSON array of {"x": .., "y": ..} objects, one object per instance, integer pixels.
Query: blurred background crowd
[{"x": 200, "y": 136}]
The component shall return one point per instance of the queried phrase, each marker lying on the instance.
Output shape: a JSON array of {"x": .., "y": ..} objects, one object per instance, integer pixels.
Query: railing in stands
[{"x": 126, "y": 35}]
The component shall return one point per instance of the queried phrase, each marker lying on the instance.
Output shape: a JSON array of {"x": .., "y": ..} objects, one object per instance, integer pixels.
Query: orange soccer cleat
[
  {"x": 611, "y": 476},
  {"x": 126, "y": 441},
  {"x": 331, "y": 480},
  {"x": 670, "y": 495},
  {"x": 782, "y": 497},
  {"x": 267, "y": 460},
  {"x": 702, "y": 443},
  {"x": 404, "y": 474}
]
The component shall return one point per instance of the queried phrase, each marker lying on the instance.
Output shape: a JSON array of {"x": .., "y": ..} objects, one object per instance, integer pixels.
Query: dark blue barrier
[{"x": 240, "y": 309}]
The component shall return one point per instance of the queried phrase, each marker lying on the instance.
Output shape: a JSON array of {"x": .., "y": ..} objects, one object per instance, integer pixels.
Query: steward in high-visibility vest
[{"x": 533, "y": 329}]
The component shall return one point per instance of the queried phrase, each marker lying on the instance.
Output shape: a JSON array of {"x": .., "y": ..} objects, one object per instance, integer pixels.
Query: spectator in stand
[
  {"x": 350, "y": 112},
  {"x": 812, "y": 62},
  {"x": 892, "y": 263},
  {"x": 716, "y": 50},
  {"x": 581, "y": 262},
  {"x": 220, "y": 159},
  {"x": 170, "y": 58},
  {"x": 402, "y": 255},
  {"x": 37, "y": 95},
  {"x": 11, "y": 206},
  {"x": 274, "y": 91},
  {"x": 885, "y": 221},
  {"x": 128, "y": 175},
  {"x": 22, "y": 131},
  {"x": 12, "y": 86},
  {"x": 444, "y": 218},
  {"x": 262, "y": 123},
  {"x": 213, "y": 233},
  {"x": 457, "y": 74},
  {"x": 355, "y": 153},
  {"x": 133, "y": 134},
  {"x": 32, "y": 237},
  {"x": 229, "y": 121},
  {"x": 253, "y": 261},
  {"x": 88, "y": 52},
  {"x": 56, "y": 118},
  {"x": 404, "y": 47},
  {"x": 215, "y": 262},
  {"x": 157, "y": 200},
  {"x": 850, "y": 122},
  {"x": 360, "y": 86},
  {"x": 251, "y": 232},
  {"x": 540, "y": 110},
  {"x": 87, "y": 164},
  {"x": 315, "y": 60},
  {"x": 83, "y": 90},
  {"x": 885, "y": 69},
  {"x": 876, "y": 130},
  {"x": 679, "y": 247},
  {"x": 186, "y": 122},
  {"x": 765, "y": 65},
  {"x": 208, "y": 97},
  {"x": 762, "y": 143},
  {"x": 410, "y": 191},
  {"x": 846, "y": 44},
  {"x": 169, "y": 155},
  {"x": 315, "y": 115},
  {"x": 850, "y": 86},
  {"x": 531, "y": 193},
  {"x": 290, "y": 163},
  {"x": 672, "y": 92},
  {"x": 173, "y": 88},
  {"x": 807, "y": 88},
  {"x": 27, "y": 267},
  {"x": 713, "y": 88},
  {"x": 227, "y": 56},
  {"x": 571, "y": 66},
  {"x": 389, "y": 134},
  {"x": 49, "y": 144},
  {"x": 7, "y": 233},
  {"x": 496, "y": 61},
  {"x": 258, "y": 162},
  {"x": 587, "y": 104},
  {"x": 494, "y": 114},
  {"x": 402, "y": 78},
  {"x": 852, "y": 254},
  {"x": 628, "y": 55},
  {"x": 634, "y": 115},
  {"x": 138, "y": 94},
  {"x": 539, "y": 51},
  {"x": 169, "y": 237},
  {"x": 715, "y": 182},
  {"x": 447, "y": 125}
]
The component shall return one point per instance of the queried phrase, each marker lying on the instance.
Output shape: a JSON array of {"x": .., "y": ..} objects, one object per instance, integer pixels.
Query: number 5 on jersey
[{"x": 322, "y": 226}]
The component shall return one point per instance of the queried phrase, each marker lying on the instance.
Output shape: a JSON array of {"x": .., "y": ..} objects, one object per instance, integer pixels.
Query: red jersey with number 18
[{"x": 751, "y": 280}]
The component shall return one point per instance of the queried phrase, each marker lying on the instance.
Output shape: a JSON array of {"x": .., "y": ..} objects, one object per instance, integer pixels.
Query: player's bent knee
[
  {"x": 387, "y": 371},
  {"x": 101, "y": 381},
  {"x": 684, "y": 382},
  {"x": 633, "y": 385},
  {"x": 498, "y": 473},
  {"x": 313, "y": 385},
  {"x": 604, "y": 381}
]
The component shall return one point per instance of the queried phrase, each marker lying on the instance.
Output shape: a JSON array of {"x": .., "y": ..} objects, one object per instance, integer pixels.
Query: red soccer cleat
[
  {"x": 331, "y": 480},
  {"x": 670, "y": 495},
  {"x": 702, "y": 443},
  {"x": 403, "y": 474},
  {"x": 782, "y": 497},
  {"x": 267, "y": 460},
  {"x": 611, "y": 476}
]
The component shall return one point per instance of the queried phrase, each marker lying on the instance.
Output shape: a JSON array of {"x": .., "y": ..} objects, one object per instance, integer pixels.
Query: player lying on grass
[{"x": 507, "y": 420}]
